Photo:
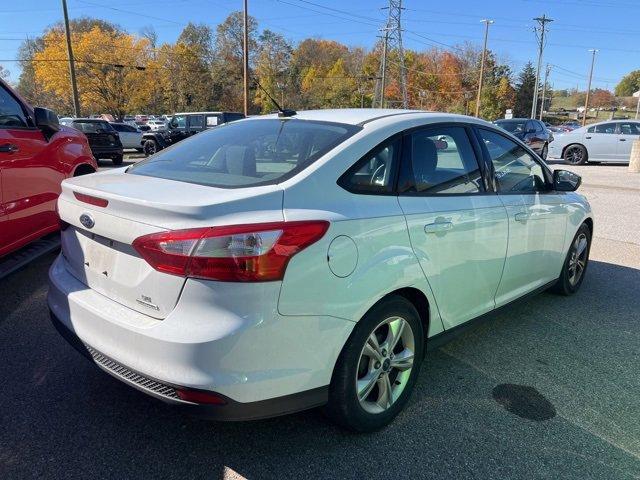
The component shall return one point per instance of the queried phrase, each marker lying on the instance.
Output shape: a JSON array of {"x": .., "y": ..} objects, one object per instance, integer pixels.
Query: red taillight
[
  {"x": 238, "y": 253},
  {"x": 200, "y": 396},
  {"x": 91, "y": 200}
]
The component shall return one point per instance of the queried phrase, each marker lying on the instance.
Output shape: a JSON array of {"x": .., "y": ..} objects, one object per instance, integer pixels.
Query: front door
[
  {"x": 537, "y": 217},
  {"x": 628, "y": 133},
  {"x": 601, "y": 141},
  {"x": 458, "y": 230}
]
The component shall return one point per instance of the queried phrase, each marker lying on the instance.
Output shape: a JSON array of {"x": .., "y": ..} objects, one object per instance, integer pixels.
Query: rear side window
[
  {"x": 93, "y": 127},
  {"x": 440, "y": 161},
  {"x": 196, "y": 121},
  {"x": 630, "y": 128},
  {"x": 247, "y": 153},
  {"x": 11, "y": 113}
]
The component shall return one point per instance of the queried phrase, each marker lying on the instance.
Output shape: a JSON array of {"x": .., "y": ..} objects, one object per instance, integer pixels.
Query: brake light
[
  {"x": 237, "y": 253},
  {"x": 91, "y": 200}
]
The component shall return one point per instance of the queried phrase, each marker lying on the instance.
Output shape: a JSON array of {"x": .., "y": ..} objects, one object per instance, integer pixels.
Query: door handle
[
  {"x": 623, "y": 139},
  {"x": 438, "y": 227},
  {"x": 8, "y": 148},
  {"x": 588, "y": 138},
  {"x": 522, "y": 217}
]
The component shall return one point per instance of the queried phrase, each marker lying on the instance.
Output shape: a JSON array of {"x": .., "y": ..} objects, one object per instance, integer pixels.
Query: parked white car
[
  {"x": 130, "y": 136},
  {"x": 157, "y": 125},
  {"x": 609, "y": 141},
  {"x": 276, "y": 264}
]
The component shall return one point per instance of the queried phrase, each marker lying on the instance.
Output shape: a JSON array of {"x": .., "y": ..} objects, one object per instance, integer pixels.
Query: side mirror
[
  {"x": 566, "y": 181},
  {"x": 46, "y": 120}
]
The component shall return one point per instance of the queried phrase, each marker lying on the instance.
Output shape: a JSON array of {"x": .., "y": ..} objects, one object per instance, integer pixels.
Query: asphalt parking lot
[{"x": 548, "y": 389}]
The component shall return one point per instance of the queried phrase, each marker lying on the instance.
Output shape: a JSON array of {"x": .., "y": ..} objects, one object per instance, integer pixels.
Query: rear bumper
[
  {"x": 106, "y": 152},
  {"x": 262, "y": 363}
]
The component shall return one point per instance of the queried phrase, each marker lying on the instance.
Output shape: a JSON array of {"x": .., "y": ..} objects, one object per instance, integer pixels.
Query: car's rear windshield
[
  {"x": 512, "y": 126},
  {"x": 246, "y": 153},
  {"x": 91, "y": 126}
]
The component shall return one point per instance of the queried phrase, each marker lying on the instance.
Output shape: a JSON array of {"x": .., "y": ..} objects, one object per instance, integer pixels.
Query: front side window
[
  {"x": 243, "y": 154},
  {"x": 515, "y": 170},
  {"x": 375, "y": 172},
  {"x": 440, "y": 161},
  {"x": 605, "y": 128},
  {"x": 630, "y": 128},
  {"x": 11, "y": 113},
  {"x": 179, "y": 121}
]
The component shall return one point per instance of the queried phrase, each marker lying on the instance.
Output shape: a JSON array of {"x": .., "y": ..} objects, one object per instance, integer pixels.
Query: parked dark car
[
  {"x": 103, "y": 138},
  {"x": 183, "y": 125},
  {"x": 36, "y": 154},
  {"x": 532, "y": 132}
]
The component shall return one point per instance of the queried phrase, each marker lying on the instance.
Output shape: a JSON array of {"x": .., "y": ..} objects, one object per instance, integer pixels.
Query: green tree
[
  {"x": 524, "y": 91},
  {"x": 629, "y": 84},
  {"x": 272, "y": 70}
]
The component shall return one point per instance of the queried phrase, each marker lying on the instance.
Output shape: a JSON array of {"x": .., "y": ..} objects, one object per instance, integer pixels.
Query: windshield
[
  {"x": 247, "y": 153},
  {"x": 515, "y": 126}
]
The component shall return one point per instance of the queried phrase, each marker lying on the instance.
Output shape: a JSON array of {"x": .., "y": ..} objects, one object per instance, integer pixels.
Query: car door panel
[
  {"x": 601, "y": 142},
  {"x": 537, "y": 218},
  {"x": 460, "y": 239},
  {"x": 628, "y": 133}
]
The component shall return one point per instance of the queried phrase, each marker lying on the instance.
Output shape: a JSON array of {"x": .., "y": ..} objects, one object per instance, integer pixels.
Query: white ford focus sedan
[{"x": 281, "y": 263}]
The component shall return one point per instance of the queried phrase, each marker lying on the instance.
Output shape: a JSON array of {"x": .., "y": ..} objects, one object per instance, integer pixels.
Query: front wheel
[
  {"x": 378, "y": 367},
  {"x": 575, "y": 264},
  {"x": 576, "y": 155},
  {"x": 117, "y": 160}
]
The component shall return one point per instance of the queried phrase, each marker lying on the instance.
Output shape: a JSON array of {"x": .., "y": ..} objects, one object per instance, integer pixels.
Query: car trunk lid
[{"x": 97, "y": 243}]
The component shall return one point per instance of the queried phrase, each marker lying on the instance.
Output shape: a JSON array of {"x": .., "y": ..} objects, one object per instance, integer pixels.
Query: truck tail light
[{"x": 238, "y": 253}]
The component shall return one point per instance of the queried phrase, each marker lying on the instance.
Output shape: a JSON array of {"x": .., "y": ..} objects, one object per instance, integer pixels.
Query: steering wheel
[{"x": 379, "y": 172}]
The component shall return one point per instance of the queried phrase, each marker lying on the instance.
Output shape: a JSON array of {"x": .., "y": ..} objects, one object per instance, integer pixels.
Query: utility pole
[
  {"x": 542, "y": 28},
  {"x": 544, "y": 89},
  {"x": 393, "y": 40},
  {"x": 484, "y": 55},
  {"x": 245, "y": 54},
  {"x": 72, "y": 65},
  {"x": 586, "y": 100}
]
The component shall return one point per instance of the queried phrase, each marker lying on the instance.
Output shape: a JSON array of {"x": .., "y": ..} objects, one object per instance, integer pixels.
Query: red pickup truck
[{"x": 36, "y": 154}]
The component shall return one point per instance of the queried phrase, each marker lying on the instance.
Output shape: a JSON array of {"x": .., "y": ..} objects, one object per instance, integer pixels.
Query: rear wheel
[
  {"x": 378, "y": 367},
  {"x": 576, "y": 155},
  {"x": 150, "y": 147},
  {"x": 575, "y": 265}
]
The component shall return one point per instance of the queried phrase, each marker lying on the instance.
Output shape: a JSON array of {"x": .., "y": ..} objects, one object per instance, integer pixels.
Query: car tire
[
  {"x": 545, "y": 151},
  {"x": 117, "y": 160},
  {"x": 576, "y": 154},
  {"x": 575, "y": 263},
  {"x": 149, "y": 147},
  {"x": 365, "y": 371}
]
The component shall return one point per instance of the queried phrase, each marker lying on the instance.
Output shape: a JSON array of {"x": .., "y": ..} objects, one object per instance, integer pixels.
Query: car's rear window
[
  {"x": 246, "y": 153},
  {"x": 512, "y": 127},
  {"x": 92, "y": 127}
]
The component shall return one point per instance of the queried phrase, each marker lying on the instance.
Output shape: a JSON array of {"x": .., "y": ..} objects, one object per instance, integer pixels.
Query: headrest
[
  {"x": 424, "y": 160},
  {"x": 240, "y": 160}
]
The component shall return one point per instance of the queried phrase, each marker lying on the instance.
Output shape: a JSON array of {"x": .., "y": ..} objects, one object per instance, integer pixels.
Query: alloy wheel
[
  {"x": 574, "y": 155},
  {"x": 578, "y": 259},
  {"x": 385, "y": 365}
]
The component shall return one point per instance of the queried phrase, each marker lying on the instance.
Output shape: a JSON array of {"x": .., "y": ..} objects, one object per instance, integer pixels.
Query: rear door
[
  {"x": 602, "y": 141},
  {"x": 628, "y": 133},
  {"x": 458, "y": 229},
  {"x": 537, "y": 217},
  {"x": 30, "y": 179}
]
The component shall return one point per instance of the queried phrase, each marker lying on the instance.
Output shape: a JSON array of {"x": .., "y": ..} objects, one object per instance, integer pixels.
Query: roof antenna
[{"x": 282, "y": 112}]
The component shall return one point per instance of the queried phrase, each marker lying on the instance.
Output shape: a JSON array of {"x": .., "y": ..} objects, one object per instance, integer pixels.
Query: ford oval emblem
[{"x": 87, "y": 220}]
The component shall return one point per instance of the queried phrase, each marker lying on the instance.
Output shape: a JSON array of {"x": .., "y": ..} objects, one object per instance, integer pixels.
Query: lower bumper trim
[{"x": 230, "y": 411}]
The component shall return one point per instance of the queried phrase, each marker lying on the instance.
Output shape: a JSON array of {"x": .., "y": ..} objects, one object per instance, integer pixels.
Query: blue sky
[{"x": 608, "y": 25}]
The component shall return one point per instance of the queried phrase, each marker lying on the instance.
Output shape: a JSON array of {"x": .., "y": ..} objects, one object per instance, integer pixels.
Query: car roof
[
  {"x": 88, "y": 120},
  {"x": 514, "y": 120},
  {"x": 204, "y": 113},
  {"x": 352, "y": 116}
]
